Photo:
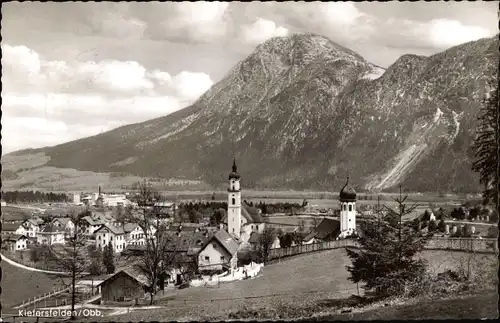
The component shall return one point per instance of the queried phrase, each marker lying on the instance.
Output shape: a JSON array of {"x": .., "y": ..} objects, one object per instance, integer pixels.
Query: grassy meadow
[
  {"x": 308, "y": 280},
  {"x": 19, "y": 285}
]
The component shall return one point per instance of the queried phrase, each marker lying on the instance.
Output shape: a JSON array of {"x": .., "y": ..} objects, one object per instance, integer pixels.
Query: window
[
  {"x": 234, "y": 201},
  {"x": 214, "y": 245},
  {"x": 110, "y": 238},
  {"x": 350, "y": 207},
  {"x": 221, "y": 258},
  {"x": 233, "y": 188},
  {"x": 207, "y": 258}
]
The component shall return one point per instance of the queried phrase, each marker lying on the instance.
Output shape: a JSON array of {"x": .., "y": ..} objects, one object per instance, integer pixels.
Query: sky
[{"x": 77, "y": 69}]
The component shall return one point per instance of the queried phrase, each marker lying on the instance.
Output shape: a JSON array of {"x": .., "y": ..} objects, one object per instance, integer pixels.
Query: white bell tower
[
  {"x": 234, "y": 203},
  {"x": 347, "y": 199}
]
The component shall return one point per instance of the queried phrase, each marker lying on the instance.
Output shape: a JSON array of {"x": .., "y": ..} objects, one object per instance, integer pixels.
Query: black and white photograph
[{"x": 249, "y": 161}]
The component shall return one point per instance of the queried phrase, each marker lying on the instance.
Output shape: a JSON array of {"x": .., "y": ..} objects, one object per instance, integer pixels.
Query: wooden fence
[{"x": 455, "y": 244}]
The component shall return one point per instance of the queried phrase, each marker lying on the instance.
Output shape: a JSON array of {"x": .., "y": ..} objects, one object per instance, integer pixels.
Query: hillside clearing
[
  {"x": 302, "y": 281},
  {"x": 19, "y": 285}
]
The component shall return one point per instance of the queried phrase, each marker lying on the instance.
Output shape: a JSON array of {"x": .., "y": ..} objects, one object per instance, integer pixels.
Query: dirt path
[{"x": 18, "y": 265}]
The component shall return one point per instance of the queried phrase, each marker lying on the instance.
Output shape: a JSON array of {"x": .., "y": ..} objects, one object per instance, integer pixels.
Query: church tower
[
  {"x": 234, "y": 202},
  {"x": 347, "y": 199}
]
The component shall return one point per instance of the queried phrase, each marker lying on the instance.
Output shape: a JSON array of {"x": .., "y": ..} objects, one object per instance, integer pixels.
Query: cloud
[
  {"x": 446, "y": 33},
  {"x": 84, "y": 95},
  {"x": 261, "y": 30},
  {"x": 198, "y": 21},
  {"x": 341, "y": 13}
]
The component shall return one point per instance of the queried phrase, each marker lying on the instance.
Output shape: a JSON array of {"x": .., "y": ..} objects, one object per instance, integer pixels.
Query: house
[
  {"x": 32, "y": 227},
  {"x": 218, "y": 252},
  {"x": 125, "y": 285},
  {"x": 50, "y": 235},
  {"x": 254, "y": 241},
  {"x": 65, "y": 224},
  {"x": 3, "y": 203},
  {"x": 136, "y": 235},
  {"x": 327, "y": 229},
  {"x": 16, "y": 242},
  {"x": 10, "y": 228},
  {"x": 109, "y": 233},
  {"x": 90, "y": 224}
]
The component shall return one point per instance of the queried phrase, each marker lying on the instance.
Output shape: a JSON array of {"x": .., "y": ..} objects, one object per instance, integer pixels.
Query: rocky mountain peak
[{"x": 302, "y": 111}]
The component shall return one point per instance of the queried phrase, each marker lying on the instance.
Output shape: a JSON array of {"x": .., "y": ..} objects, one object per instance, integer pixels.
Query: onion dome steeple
[
  {"x": 234, "y": 174},
  {"x": 347, "y": 194}
]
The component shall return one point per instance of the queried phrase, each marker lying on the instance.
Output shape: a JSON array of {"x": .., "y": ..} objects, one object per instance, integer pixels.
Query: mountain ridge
[{"x": 300, "y": 112}]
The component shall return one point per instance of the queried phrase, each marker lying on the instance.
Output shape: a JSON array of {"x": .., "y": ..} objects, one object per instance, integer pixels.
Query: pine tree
[
  {"x": 442, "y": 225},
  {"x": 486, "y": 147},
  {"x": 108, "y": 259},
  {"x": 387, "y": 262}
]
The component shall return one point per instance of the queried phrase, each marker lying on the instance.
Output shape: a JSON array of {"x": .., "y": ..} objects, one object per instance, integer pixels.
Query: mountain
[{"x": 302, "y": 112}]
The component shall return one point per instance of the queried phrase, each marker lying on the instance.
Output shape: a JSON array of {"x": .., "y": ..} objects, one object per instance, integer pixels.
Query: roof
[
  {"x": 51, "y": 229},
  {"x": 234, "y": 174},
  {"x": 15, "y": 237},
  {"x": 326, "y": 228},
  {"x": 226, "y": 241},
  {"x": 63, "y": 221},
  {"x": 34, "y": 221},
  {"x": 112, "y": 228},
  {"x": 250, "y": 213},
  {"x": 254, "y": 237},
  {"x": 132, "y": 273},
  {"x": 9, "y": 226},
  {"x": 347, "y": 193}
]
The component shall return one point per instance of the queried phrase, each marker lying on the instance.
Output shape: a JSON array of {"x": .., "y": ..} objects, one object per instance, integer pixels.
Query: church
[
  {"x": 241, "y": 219},
  {"x": 345, "y": 226}
]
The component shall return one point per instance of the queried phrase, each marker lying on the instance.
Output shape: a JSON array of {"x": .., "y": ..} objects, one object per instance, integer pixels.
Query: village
[{"x": 231, "y": 245}]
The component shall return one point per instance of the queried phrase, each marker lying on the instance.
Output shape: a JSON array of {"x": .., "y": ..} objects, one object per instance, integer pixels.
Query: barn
[{"x": 124, "y": 286}]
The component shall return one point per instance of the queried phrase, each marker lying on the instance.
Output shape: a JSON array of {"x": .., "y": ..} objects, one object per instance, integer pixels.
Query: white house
[
  {"x": 31, "y": 227},
  {"x": 16, "y": 242},
  {"x": 65, "y": 224},
  {"x": 219, "y": 252},
  {"x": 109, "y": 233},
  {"x": 135, "y": 234},
  {"x": 51, "y": 235},
  {"x": 90, "y": 224}
]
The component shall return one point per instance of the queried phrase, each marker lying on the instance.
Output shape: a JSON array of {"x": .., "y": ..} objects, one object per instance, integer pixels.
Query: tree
[
  {"x": 39, "y": 252},
  {"x": 72, "y": 258},
  {"x": 213, "y": 196},
  {"x": 158, "y": 256},
  {"x": 266, "y": 240},
  {"x": 96, "y": 261},
  {"x": 108, "y": 258},
  {"x": 458, "y": 214},
  {"x": 442, "y": 225},
  {"x": 433, "y": 226},
  {"x": 474, "y": 212},
  {"x": 486, "y": 146},
  {"x": 387, "y": 262}
]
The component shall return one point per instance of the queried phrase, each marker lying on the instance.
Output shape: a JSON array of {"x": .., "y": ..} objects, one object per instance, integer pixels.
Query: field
[
  {"x": 479, "y": 306},
  {"x": 18, "y": 285},
  {"x": 303, "y": 280},
  {"x": 30, "y": 172},
  {"x": 11, "y": 213}
]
